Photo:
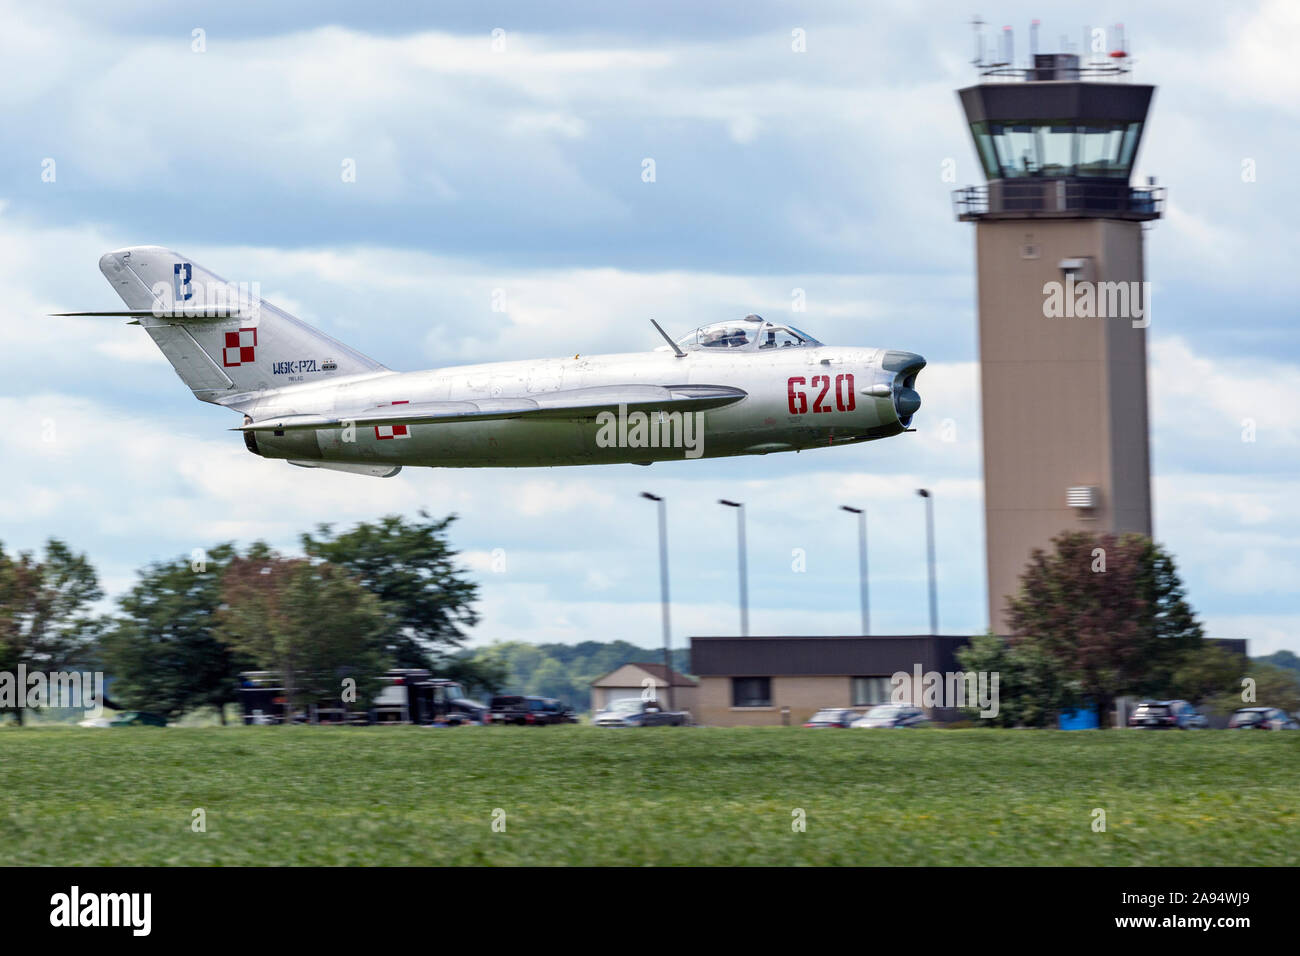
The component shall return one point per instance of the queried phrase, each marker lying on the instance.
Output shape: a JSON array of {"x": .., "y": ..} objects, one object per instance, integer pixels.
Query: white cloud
[
  {"x": 1195, "y": 395},
  {"x": 137, "y": 348},
  {"x": 1249, "y": 59}
]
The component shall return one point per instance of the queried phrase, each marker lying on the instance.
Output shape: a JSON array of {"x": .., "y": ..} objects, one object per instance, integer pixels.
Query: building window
[
  {"x": 870, "y": 690},
  {"x": 751, "y": 692}
]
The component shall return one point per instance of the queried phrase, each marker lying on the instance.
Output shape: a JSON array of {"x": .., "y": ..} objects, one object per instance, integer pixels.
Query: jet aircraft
[{"x": 742, "y": 387}]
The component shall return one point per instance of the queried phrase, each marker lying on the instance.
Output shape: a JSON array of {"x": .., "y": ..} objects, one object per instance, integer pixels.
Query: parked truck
[
  {"x": 412, "y": 695},
  {"x": 404, "y": 696}
]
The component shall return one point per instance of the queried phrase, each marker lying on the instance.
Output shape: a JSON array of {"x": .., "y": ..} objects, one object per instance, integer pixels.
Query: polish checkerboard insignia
[
  {"x": 385, "y": 432},
  {"x": 240, "y": 347}
]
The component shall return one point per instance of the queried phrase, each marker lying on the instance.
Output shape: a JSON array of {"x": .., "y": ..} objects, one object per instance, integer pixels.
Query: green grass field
[{"x": 583, "y": 795}]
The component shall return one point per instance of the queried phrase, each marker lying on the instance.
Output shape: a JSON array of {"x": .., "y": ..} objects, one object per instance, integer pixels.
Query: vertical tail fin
[{"x": 235, "y": 342}]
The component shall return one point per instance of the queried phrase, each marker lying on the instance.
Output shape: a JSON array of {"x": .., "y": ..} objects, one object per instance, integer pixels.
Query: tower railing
[
  {"x": 1115, "y": 71},
  {"x": 1058, "y": 198}
]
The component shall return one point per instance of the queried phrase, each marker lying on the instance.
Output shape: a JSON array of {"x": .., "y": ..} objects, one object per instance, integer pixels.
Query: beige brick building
[{"x": 770, "y": 681}]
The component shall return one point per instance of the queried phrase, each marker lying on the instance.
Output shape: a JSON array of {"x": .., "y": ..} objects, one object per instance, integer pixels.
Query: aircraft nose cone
[{"x": 907, "y": 402}]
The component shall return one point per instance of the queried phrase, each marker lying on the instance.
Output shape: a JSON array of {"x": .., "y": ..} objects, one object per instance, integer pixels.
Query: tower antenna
[{"x": 977, "y": 26}]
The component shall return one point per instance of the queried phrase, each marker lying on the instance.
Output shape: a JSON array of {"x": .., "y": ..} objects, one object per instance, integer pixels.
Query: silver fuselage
[{"x": 796, "y": 398}]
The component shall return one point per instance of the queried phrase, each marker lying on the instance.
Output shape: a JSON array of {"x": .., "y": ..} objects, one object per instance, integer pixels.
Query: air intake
[{"x": 905, "y": 366}]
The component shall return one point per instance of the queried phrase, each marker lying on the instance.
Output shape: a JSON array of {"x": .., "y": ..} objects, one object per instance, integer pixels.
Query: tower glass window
[
  {"x": 1053, "y": 149},
  {"x": 1056, "y": 147}
]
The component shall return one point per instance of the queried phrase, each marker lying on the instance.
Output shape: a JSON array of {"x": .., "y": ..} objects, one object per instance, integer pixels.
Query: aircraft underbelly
[
  {"x": 487, "y": 444},
  {"x": 516, "y": 443}
]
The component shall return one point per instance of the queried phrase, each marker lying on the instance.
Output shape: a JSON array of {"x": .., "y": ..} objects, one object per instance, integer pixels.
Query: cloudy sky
[{"x": 499, "y": 146}]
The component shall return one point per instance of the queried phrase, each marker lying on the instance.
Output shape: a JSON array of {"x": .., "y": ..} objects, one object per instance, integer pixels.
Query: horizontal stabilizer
[
  {"x": 198, "y": 314},
  {"x": 571, "y": 404}
]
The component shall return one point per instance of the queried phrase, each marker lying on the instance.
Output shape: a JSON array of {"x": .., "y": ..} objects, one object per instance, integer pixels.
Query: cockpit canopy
[{"x": 753, "y": 333}]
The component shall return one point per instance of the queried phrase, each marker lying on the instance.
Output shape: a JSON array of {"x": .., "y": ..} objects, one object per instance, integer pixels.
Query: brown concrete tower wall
[{"x": 1064, "y": 400}]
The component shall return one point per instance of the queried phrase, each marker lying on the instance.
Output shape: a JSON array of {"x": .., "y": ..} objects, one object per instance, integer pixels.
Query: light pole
[
  {"x": 862, "y": 565},
  {"x": 929, "y": 549},
  {"x": 744, "y": 574},
  {"x": 663, "y": 591}
]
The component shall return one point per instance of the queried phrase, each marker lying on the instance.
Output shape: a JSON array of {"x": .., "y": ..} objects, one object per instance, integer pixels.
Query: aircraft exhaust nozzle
[
  {"x": 907, "y": 402},
  {"x": 250, "y": 438}
]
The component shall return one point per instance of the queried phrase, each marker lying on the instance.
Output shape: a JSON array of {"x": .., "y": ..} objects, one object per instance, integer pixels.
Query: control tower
[{"x": 1062, "y": 303}]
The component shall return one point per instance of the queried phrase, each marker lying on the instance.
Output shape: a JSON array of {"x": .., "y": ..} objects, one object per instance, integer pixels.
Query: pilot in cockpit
[{"x": 727, "y": 338}]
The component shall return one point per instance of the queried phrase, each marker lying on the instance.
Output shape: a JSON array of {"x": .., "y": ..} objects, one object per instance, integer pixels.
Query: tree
[
  {"x": 1273, "y": 686},
  {"x": 164, "y": 652},
  {"x": 550, "y": 679},
  {"x": 1287, "y": 659},
  {"x": 1109, "y": 610},
  {"x": 409, "y": 566},
  {"x": 479, "y": 673},
  {"x": 312, "y": 623},
  {"x": 1206, "y": 672},
  {"x": 524, "y": 660},
  {"x": 46, "y": 620},
  {"x": 1031, "y": 690}
]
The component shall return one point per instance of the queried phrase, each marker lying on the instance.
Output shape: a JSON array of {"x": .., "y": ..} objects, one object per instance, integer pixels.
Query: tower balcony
[{"x": 1058, "y": 199}]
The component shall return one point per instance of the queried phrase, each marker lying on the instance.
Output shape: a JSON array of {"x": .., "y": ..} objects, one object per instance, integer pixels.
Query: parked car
[
  {"x": 892, "y": 715},
  {"x": 553, "y": 711},
  {"x": 831, "y": 717},
  {"x": 506, "y": 709},
  {"x": 1262, "y": 718},
  {"x": 1167, "y": 715},
  {"x": 635, "y": 712},
  {"x": 521, "y": 710}
]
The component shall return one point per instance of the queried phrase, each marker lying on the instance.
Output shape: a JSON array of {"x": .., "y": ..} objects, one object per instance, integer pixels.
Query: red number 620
[{"x": 845, "y": 398}]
